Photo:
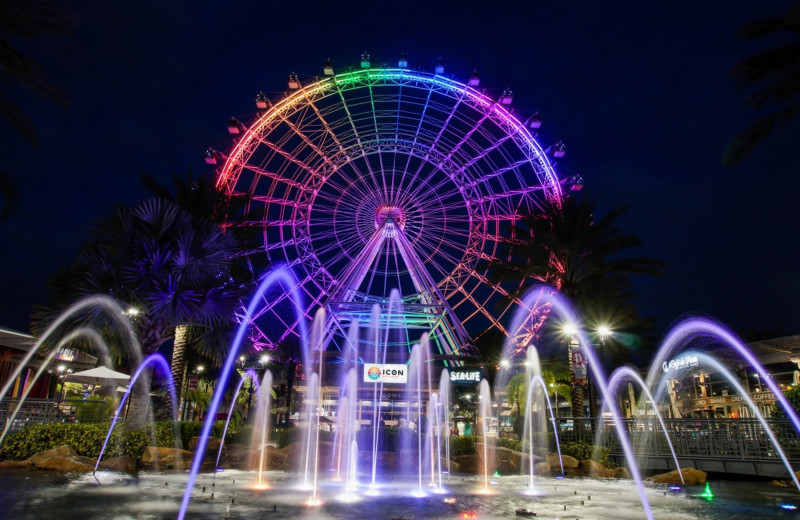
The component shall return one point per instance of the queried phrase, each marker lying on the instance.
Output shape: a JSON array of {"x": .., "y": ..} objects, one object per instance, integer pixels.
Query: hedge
[
  {"x": 583, "y": 451},
  {"x": 87, "y": 438}
]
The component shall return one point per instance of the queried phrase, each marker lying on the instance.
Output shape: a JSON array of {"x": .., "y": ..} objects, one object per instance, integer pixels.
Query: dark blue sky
[{"x": 639, "y": 92}]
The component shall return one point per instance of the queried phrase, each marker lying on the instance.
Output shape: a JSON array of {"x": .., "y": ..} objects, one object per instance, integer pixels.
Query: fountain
[
  {"x": 161, "y": 363},
  {"x": 260, "y": 438},
  {"x": 428, "y": 407},
  {"x": 614, "y": 382}
]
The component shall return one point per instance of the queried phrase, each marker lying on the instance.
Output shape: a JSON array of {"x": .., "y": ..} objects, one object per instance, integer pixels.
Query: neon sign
[{"x": 680, "y": 363}]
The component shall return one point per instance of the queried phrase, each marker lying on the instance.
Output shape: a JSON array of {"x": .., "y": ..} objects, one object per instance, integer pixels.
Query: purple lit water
[
  {"x": 107, "y": 304},
  {"x": 624, "y": 374},
  {"x": 160, "y": 363},
  {"x": 279, "y": 275}
]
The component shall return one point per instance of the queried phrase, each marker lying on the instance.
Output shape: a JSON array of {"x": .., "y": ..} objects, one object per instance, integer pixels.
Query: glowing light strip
[{"x": 372, "y": 76}]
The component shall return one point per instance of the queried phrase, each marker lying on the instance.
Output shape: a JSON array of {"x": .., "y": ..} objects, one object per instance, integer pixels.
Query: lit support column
[{"x": 453, "y": 330}]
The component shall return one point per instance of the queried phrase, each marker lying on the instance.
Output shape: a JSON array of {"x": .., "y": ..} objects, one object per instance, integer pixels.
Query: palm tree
[
  {"x": 174, "y": 268},
  {"x": 773, "y": 79},
  {"x": 204, "y": 201},
  {"x": 566, "y": 247}
]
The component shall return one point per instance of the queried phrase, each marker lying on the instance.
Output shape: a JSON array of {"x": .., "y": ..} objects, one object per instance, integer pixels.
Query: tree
[
  {"x": 772, "y": 78},
  {"x": 201, "y": 198},
  {"x": 583, "y": 257},
  {"x": 155, "y": 257},
  {"x": 793, "y": 396}
]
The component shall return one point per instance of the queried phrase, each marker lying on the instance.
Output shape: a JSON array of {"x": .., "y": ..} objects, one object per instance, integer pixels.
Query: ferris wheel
[{"x": 387, "y": 178}]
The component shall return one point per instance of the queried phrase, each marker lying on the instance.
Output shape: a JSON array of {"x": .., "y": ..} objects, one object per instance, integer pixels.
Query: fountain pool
[{"x": 44, "y": 496}]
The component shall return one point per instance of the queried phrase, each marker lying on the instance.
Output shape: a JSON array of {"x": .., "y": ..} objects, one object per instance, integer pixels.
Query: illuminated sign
[
  {"x": 680, "y": 363},
  {"x": 378, "y": 373},
  {"x": 65, "y": 354},
  {"x": 465, "y": 377}
]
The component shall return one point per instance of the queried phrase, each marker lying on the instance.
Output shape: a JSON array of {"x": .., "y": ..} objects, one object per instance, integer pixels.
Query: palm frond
[{"x": 744, "y": 142}]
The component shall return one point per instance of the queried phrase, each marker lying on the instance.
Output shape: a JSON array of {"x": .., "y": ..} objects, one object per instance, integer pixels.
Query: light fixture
[
  {"x": 604, "y": 331},
  {"x": 570, "y": 329}
]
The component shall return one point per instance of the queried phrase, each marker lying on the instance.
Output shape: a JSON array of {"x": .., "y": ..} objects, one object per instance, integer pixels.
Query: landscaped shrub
[
  {"x": 583, "y": 451},
  {"x": 463, "y": 445},
  {"x": 85, "y": 439},
  {"x": 511, "y": 444}
]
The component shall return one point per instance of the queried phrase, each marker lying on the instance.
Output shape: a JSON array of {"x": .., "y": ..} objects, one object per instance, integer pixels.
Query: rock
[
  {"x": 275, "y": 459},
  {"x": 569, "y": 462},
  {"x": 212, "y": 446},
  {"x": 62, "y": 458},
  {"x": 15, "y": 464},
  {"x": 239, "y": 456},
  {"x": 296, "y": 453},
  {"x": 691, "y": 477},
  {"x": 454, "y": 466},
  {"x": 212, "y": 450},
  {"x": 592, "y": 468},
  {"x": 118, "y": 464},
  {"x": 506, "y": 461},
  {"x": 543, "y": 468},
  {"x": 467, "y": 463},
  {"x": 620, "y": 472},
  {"x": 782, "y": 483},
  {"x": 167, "y": 458}
]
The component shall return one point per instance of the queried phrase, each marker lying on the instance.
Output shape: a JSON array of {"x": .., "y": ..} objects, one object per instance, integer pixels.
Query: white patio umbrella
[{"x": 98, "y": 376}]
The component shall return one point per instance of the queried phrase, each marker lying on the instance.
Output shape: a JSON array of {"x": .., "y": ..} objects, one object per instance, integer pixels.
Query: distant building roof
[
  {"x": 777, "y": 350},
  {"x": 15, "y": 339},
  {"x": 22, "y": 342}
]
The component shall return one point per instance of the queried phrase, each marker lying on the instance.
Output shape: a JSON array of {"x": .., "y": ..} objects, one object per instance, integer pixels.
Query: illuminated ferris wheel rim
[
  {"x": 352, "y": 80},
  {"x": 473, "y": 176}
]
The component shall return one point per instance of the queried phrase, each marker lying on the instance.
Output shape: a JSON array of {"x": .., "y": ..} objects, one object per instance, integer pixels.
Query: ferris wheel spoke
[
  {"x": 273, "y": 176},
  {"x": 287, "y": 156},
  {"x": 496, "y": 144},
  {"x": 321, "y": 154},
  {"x": 346, "y": 108},
  {"x": 416, "y": 138},
  {"x": 435, "y": 143},
  {"x": 342, "y": 151},
  {"x": 429, "y": 246},
  {"x": 425, "y": 186},
  {"x": 377, "y": 133}
]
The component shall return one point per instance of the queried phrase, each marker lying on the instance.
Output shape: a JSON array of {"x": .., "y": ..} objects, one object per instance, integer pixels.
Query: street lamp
[
  {"x": 570, "y": 329},
  {"x": 604, "y": 331}
]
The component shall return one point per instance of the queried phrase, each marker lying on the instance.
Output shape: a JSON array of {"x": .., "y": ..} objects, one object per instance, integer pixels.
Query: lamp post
[
  {"x": 603, "y": 332},
  {"x": 555, "y": 390},
  {"x": 577, "y": 368}
]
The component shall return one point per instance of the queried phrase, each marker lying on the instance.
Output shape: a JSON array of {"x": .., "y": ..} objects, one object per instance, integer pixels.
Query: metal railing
[
  {"x": 744, "y": 439},
  {"x": 46, "y": 411}
]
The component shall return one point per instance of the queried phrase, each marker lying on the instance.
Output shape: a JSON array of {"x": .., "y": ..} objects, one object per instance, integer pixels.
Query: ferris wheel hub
[{"x": 390, "y": 211}]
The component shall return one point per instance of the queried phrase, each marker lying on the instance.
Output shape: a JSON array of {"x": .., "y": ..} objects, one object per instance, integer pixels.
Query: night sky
[{"x": 638, "y": 91}]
